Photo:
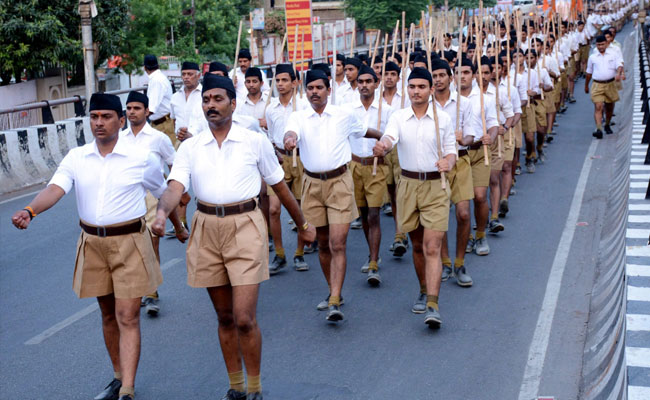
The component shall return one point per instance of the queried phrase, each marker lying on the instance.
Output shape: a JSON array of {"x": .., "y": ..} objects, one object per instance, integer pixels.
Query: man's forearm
[
  {"x": 46, "y": 198},
  {"x": 373, "y": 134},
  {"x": 289, "y": 202},
  {"x": 170, "y": 198}
]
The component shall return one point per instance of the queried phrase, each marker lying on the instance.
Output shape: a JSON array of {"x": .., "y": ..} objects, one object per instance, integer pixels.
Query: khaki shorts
[
  {"x": 394, "y": 171},
  {"x": 584, "y": 52},
  {"x": 508, "y": 152},
  {"x": 480, "y": 171},
  {"x": 369, "y": 190},
  {"x": 571, "y": 69},
  {"x": 549, "y": 100},
  {"x": 152, "y": 204},
  {"x": 564, "y": 81},
  {"x": 329, "y": 202},
  {"x": 422, "y": 203},
  {"x": 123, "y": 265},
  {"x": 604, "y": 92},
  {"x": 231, "y": 250},
  {"x": 528, "y": 123},
  {"x": 167, "y": 128},
  {"x": 292, "y": 176},
  {"x": 540, "y": 114},
  {"x": 518, "y": 133},
  {"x": 460, "y": 180}
]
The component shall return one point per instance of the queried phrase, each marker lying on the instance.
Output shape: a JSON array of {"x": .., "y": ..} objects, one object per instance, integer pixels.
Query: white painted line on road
[
  {"x": 639, "y": 207},
  {"x": 640, "y": 160},
  {"x": 638, "y": 218},
  {"x": 638, "y": 153},
  {"x": 638, "y": 393},
  {"x": 637, "y": 270},
  {"x": 22, "y": 196},
  {"x": 637, "y": 233},
  {"x": 638, "y": 251},
  {"x": 639, "y": 185},
  {"x": 637, "y": 196},
  {"x": 638, "y": 322},
  {"x": 640, "y": 146},
  {"x": 80, "y": 314},
  {"x": 636, "y": 293},
  {"x": 637, "y": 357},
  {"x": 638, "y": 176},
  {"x": 539, "y": 344}
]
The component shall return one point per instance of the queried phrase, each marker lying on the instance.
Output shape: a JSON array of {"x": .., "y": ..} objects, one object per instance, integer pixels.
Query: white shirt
[
  {"x": 362, "y": 146},
  {"x": 159, "y": 93},
  {"x": 417, "y": 145},
  {"x": 350, "y": 96},
  {"x": 229, "y": 174},
  {"x": 110, "y": 190},
  {"x": 152, "y": 140},
  {"x": 396, "y": 102},
  {"x": 277, "y": 116},
  {"x": 550, "y": 63},
  {"x": 246, "y": 106},
  {"x": 475, "y": 124},
  {"x": 545, "y": 78},
  {"x": 240, "y": 87},
  {"x": 465, "y": 113},
  {"x": 505, "y": 107},
  {"x": 182, "y": 107},
  {"x": 515, "y": 100},
  {"x": 324, "y": 139},
  {"x": 602, "y": 67}
]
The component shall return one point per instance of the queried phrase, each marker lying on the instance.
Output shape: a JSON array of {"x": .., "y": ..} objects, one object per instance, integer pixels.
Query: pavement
[{"x": 52, "y": 347}]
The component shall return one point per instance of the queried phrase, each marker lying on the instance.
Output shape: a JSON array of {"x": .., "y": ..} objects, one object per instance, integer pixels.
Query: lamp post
[{"x": 85, "y": 10}]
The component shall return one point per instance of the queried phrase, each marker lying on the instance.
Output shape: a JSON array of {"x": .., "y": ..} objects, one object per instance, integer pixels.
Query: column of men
[{"x": 455, "y": 130}]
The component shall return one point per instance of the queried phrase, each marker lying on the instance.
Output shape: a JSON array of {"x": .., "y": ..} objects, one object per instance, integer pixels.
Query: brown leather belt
[
  {"x": 104, "y": 231},
  {"x": 367, "y": 160},
  {"x": 286, "y": 152},
  {"x": 422, "y": 176},
  {"x": 224, "y": 211},
  {"x": 475, "y": 146},
  {"x": 537, "y": 97},
  {"x": 462, "y": 152},
  {"x": 160, "y": 120},
  {"x": 607, "y": 81},
  {"x": 328, "y": 174}
]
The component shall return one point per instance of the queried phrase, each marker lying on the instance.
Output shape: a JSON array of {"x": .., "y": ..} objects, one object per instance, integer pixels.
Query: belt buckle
[
  {"x": 322, "y": 176},
  {"x": 220, "y": 211},
  {"x": 101, "y": 231},
  {"x": 422, "y": 176}
]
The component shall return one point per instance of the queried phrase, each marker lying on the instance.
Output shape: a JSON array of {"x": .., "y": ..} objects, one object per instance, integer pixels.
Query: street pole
[{"x": 87, "y": 42}]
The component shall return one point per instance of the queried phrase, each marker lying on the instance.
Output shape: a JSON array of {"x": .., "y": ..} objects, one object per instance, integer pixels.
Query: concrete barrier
[
  {"x": 29, "y": 156},
  {"x": 604, "y": 374}
]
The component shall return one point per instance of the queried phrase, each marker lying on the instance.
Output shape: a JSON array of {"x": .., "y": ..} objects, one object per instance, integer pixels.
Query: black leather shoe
[
  {"x": 608, "y": 130},
  {"x": 110, "y": 392},
  {"x": 254, "y": 396},
  {"x": 334, "y": 314},
  {"x": 277, "y": 264},
  {"x": 126, "y": 397},
  {"x": 598, "y": 134},
  {"x": 232, "y": 394}
]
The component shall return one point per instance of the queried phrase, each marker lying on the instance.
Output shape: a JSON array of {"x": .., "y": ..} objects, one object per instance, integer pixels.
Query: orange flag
[
  {"x": 545, "y": 6},
  {"x": 579, "y": 6}
]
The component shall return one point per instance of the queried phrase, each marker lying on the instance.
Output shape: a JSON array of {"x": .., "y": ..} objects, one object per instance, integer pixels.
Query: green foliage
[
  {"x": 465, "y": 3},
  {"x": 382, "y": 14},
  {"x": 36, "y": 34},
  {"x": 217, "y": 23}
]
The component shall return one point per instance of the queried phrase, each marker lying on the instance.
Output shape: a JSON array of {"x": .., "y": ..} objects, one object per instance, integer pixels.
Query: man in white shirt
[
  {"x": 426, "y": 142},
  {"x": 238, "y": 75},
  {"x": 115, "y": 260},
  {"x": 228, "y": 251},
  {"x": 141, "y": 135},
  {"x": 528, "y": 82},
  {"x": 352, "y": 66},
  {"x": 185, "y": 101},
  {"x": 254, "y": 102},
  {"x": 322, "y": 134},
  {"x": 277, "y": 115},
  {"x": 541, "y": 118},
  {"x": 584, "y": 47},
  {"x": 340, "y": 83},
  {"x": 485, "y": 132},
  {"x": 605, "y": 68},
  {"x": 369, "y": 180},
  {"x": 159, "y": 92},
  {"x": 460, "y": 176}
]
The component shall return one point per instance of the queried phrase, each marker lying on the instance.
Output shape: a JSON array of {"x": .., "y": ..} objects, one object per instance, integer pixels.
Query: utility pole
[{"x": 86, "y": 11}]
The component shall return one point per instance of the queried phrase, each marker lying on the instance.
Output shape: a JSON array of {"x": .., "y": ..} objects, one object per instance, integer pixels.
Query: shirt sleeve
[
  {"x": 153, "y": 178},
  {"x": 447, "y": 136},
  {"x": 64, "y": 175},
  {"x": 293, "y": 124},
  {"x": 490, "y": 114},
  {"x": 590, "y": 65},
  {"x": 354, "y": 126},
  {"x": 506, "y": 106},
  {"x": 466, "y": 118},
  {"x": 392, "y": 129},
  {"x": 172, "y": 115},
  {"x": 166, "y": 149},
  {"x": 155, "y": 94},
  {"x": 182, "y": 165},
  {"x": 267, "y": 162}
]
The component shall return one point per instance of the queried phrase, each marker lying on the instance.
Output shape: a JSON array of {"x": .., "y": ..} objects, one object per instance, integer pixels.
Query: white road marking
[
  {"x": 59, "y": 326},
  {"x": 637, "y": 270},
  {"x": 638, "y": 251},
  {"x": 637, "y": 233},
  {"x": 645, "y": 177},
  {"x": 637, "y": 357},
  {"x": 636, "y": 293},
  {"x": 539, "y": 344},
  {"x": 639, "y": 207},
  {"x": 639, "y": 185},
  {"x": 637, "y": 196},
  {"x": 638, "y": 219},
  {"x": 638, "y": 322},
  {"x": 22, "y": 196},
  {"x": 638, "y": 393}
]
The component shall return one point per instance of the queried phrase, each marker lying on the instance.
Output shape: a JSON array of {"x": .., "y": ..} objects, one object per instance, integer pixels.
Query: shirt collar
[
  {"x": 235, "y": 135},
  {"x": 411, "y": 114},
  {"x": 120, "y": 149}
]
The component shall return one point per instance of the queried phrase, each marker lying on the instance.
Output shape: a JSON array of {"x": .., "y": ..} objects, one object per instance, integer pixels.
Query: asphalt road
[{"x": 381, "y": 351}]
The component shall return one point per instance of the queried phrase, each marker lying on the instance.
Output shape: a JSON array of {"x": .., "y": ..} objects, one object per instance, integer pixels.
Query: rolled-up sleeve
[
  {"x": 182, "y": 165},
  {"x": 447, "y": 136},
  {"x": 293, "y": 124},
  {"x": 392, "y": 129},
  {"x": 355, "y": 126},
  {"x": 153, "y": 178},
  {"x": 64, "y": 175},
  {"x": 267, "y": 162}
]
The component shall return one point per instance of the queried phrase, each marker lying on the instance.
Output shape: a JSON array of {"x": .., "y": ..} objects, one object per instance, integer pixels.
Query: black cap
[
  {"x": 471, "y": 45},
  {"x": 150, "y": 61},
  {"x": 450, "y": 55},
  {"x": 421, "y": 73},
  {"x": 398, "y": 57},
  {"x": 340, "y": 57},
  {"x": 211, "y": 81},
  {"x": 103, "y": 101},
  {"x": 440, "y": 64},
  {"x": 353, "y": 61},
  {"x": 534, "y": 53},
  {"x": 217, "y": 66},
  {"x": 138, "y": 97},
  {"x": 189, "y": 65},
  {"x": 420, "y": 59},
  {"x": 601, "y": 38},
  {"x": 285, "y": 69},
  {"x": 323, "y": 67},
  {"x": 254, "y": 72},
  {"x": 244, "y": 53},
  {"x": 367, "y": 70},
  {"x": 316, "y": 74},
  {"x": 391, "y": 66},
  {"x": 466, "y": 62}
]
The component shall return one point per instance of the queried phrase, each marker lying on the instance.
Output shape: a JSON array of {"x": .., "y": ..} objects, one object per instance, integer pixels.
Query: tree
[
  {"x": 38, "y": 34},
  {"x": 382, "y": 14},
  {"x": 217, "y": 23}
]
